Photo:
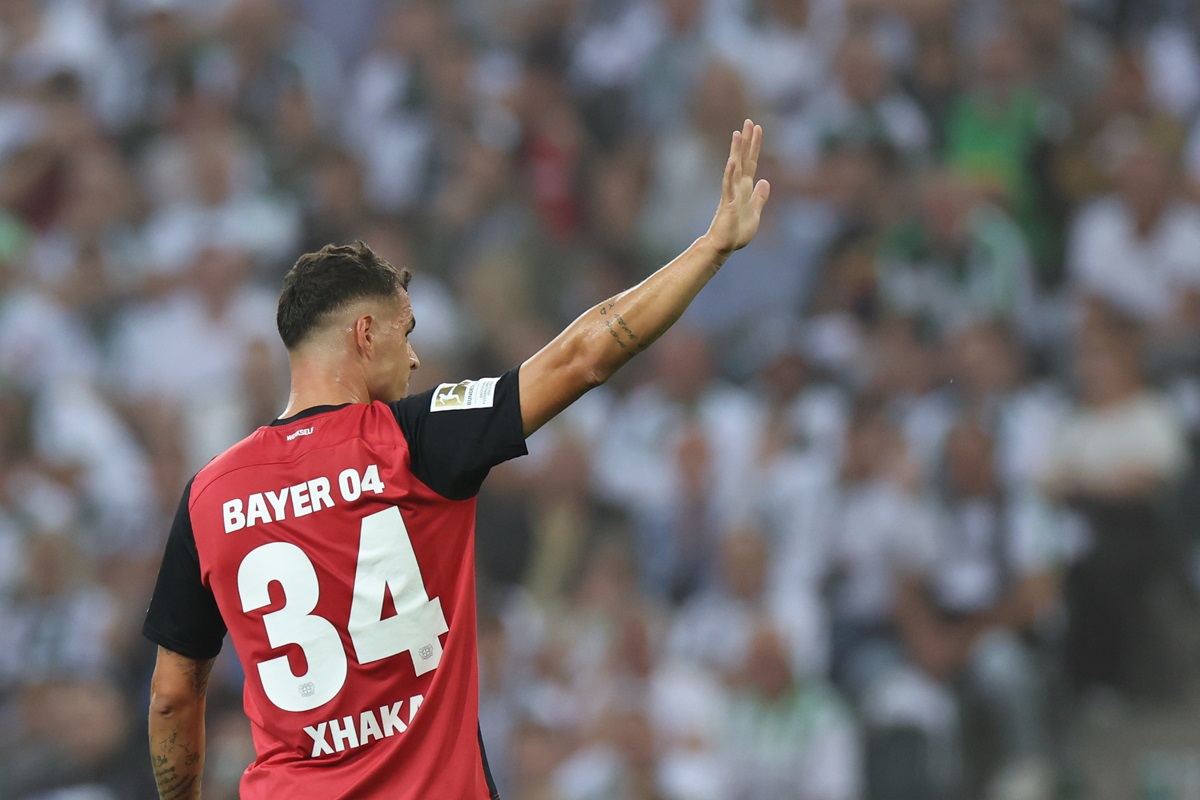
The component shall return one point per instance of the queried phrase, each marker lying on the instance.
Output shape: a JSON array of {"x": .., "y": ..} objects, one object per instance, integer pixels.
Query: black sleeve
[
  {"x": 459, "y": 431},
  {"x": 183, "y": 613}
]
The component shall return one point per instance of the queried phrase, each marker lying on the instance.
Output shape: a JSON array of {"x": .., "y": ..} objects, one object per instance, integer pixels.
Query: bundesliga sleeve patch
[{"x": 468, "y": 394}]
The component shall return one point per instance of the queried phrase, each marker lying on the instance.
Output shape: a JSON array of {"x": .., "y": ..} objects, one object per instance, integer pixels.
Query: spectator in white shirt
[
  {"x": 1112, "y": 460},
  {"x": 874, "y": 530},
  {"x": 863, "y": 105},
  {"x": 1138, "y": 249},
  {"x": 977, "y": 612}
]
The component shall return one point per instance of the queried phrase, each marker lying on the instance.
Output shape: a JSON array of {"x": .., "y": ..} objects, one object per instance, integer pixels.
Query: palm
[{"x": 742, "y": 199}]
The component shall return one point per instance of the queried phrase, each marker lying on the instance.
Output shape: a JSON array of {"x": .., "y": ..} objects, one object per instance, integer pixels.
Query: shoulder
[{"x": 239, "y": 455}]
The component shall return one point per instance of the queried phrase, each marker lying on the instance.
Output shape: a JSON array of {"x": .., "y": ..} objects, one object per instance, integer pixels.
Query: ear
[{"x": 364, "y": 333}]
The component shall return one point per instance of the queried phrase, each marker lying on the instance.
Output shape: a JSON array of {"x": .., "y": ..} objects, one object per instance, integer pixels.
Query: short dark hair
[{"x": 328, "y": 279}]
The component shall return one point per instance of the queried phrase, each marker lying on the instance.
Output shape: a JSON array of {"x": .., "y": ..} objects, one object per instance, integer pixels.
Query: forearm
[
  {"x": 609, "y": 334},
  {"x": 177, "y": 749},
  {"x": 604, "y": 338}
]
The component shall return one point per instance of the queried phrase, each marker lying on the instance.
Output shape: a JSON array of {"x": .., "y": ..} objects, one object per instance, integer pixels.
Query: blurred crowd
[{"x": 906, "y": 495}]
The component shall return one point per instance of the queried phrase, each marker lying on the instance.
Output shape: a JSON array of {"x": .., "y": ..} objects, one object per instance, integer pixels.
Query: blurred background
[{"x": 906, "y": 505}]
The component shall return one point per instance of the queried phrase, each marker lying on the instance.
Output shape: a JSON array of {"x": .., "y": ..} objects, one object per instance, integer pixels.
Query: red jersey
[{"x": 337, "y": 549}]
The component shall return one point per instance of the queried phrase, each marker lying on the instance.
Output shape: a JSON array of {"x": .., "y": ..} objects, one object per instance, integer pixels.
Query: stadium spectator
[
  {"x": 980, "y": 614},
  {"x": 263, "y": 53},
  {"x": 959, "y": 260},
  {"x": 658, "y": 459},
  {"x": 1069, "y": 58},
  {"x": 1113, "y": 458},
  {"x": 1138, "y": 249},
  {"x": 1122, "y": 117},
  {"x": 787, "y": 736},
  {"x": 731, "y": 609},
  {"x": 673, "y": 207},
  {"x": 999, "y": 136},
  {"x": 667, "y": 76},
  {"x": 860, "y": 104},
  {"x": 871, "y": 531},
  {"x": 991, "y": 377},
  {"x": 781, "y": 48},
  {"x": 192, "y": 350}
]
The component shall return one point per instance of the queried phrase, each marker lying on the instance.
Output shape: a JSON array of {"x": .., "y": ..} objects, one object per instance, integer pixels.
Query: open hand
[{"x": 742, "y": 200}]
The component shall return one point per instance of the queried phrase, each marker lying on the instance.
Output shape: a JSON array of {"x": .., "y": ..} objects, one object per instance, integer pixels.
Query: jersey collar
[{"x": 308, "y": 412}]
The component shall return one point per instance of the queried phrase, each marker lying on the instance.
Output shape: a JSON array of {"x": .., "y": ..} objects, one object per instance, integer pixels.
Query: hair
[{"x": 329, "y": 279}]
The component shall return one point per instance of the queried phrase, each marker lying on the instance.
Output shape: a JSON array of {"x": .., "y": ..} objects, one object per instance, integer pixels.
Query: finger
[
  {"x": 747, "y": 134},
  {"x": 755, "y": 150},
  {"x": 762, "y": 193},
  {"x": 727, "y": 181},
  {"x": 735, "y": 155}
]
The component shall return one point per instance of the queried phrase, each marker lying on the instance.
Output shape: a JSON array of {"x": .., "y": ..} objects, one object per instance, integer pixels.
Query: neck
[{"x": 320, "y": 381}]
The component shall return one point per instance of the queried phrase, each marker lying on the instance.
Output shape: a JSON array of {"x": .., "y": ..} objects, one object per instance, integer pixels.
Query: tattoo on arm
[
  {"x": 176, "y": 775},
  {"x": 633, "y": 337},
  {"x": 620, "y": 330},
  {"x": 616, "y": 335},
  {"x": 177, "y": 737},
  {"x": 200, "y": 674},
  {"x": 171, "y": 784}
]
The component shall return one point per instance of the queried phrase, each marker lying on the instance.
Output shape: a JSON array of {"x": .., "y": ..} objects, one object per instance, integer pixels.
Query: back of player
[
  {"x": 336, "y": 544},
  {"x": 338, "y": 548}
]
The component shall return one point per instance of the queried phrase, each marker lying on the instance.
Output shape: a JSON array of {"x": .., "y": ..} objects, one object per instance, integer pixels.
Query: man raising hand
[{"x": 336, "y": 545}]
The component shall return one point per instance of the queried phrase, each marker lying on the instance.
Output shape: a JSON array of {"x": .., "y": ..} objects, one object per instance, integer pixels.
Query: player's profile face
[{"x": 395, "y": 357}]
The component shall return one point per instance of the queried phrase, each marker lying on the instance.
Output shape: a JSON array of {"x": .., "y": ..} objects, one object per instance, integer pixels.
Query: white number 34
[{"x": 386, "y": 563}]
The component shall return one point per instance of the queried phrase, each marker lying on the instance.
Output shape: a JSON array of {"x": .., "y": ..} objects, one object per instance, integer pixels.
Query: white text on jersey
[
  {"x": 349, "y": 732},
  {"x": 300, "y": 499}
]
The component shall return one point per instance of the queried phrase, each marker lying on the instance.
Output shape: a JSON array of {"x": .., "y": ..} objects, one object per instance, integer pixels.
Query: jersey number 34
[{"x": 386, "y": 562}]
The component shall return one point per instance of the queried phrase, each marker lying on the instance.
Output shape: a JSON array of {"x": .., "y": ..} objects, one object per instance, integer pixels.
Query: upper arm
[
  {"x": 549, "y": 383},
  {"x": 457, "y": 432},
  {"x": 178, "y": 680},
  {"x": 183, "y": 613}
]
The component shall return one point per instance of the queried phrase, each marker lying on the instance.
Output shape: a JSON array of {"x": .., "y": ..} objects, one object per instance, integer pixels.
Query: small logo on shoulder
[
  {"x": 468, "y": 394},
  {"x": 297, "y": 434}
]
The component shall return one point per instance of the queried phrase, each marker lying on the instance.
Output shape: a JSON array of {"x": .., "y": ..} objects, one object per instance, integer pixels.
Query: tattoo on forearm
[
  {"x": 172, "y": 785},
  {"x": 616, "y": 335},
  {"x": 175, "y": 782},
  {"x": 201, "y": 674},
  {"x": 632, "y": 336},
  {"x": 620, "y": 330}
]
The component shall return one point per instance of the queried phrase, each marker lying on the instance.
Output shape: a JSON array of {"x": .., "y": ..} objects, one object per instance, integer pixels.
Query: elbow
[
  {"x": 592, "y": 375},
  {"x": 167, "y": 701},
  {"x": 587, "y": 366},
  {"x": 164, "y": 705}
]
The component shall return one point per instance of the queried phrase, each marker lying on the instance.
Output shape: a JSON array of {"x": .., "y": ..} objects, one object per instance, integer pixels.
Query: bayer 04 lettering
[
  {"x": 300, "y": 499},
  {"x": 386, "y": 563}
]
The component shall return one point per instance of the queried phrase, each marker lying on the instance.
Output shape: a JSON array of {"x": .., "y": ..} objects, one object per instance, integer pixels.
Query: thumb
[{"x": 762, "y": 192}]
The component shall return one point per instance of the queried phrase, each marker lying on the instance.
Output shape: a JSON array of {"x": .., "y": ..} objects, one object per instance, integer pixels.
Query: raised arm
[
  {"x": 178, "y": 692},
  {"x": 605, "y": 337}
]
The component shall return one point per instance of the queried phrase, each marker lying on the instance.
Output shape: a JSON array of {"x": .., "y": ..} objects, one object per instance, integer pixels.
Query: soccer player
[{"x": 335, "y": 545}]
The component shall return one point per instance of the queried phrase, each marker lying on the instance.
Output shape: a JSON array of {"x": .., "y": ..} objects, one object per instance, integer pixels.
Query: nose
[{"x": 413, "y": 361}]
